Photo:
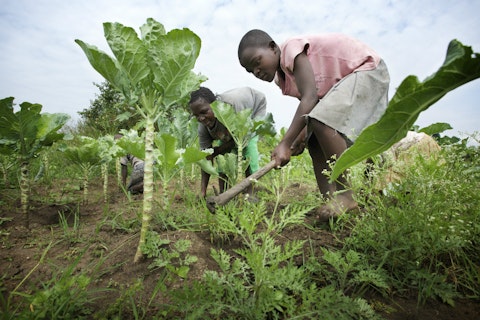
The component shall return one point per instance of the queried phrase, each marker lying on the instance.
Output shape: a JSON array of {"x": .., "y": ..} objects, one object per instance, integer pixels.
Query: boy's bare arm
[
  {"x": 222, "y": 149},
  {"x": 204, "y": 183}
]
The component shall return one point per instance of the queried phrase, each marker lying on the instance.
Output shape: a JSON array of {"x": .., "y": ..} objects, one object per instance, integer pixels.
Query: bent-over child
[
  {"x": 210, "y": 129},
  {"x": 342, "y": 87}
]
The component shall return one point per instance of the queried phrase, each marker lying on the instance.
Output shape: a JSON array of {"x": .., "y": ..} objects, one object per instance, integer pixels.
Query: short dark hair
[
  {"x": 254, "y": 38},
  {"x": 202, "y": 93}
]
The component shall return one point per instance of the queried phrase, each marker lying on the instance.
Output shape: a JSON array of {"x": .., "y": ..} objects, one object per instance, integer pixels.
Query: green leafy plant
[
  {"x": 66, "y": 295},
  {"x": 152, "y": 73},
  {"x": 64, "y": 298},
  {"x": 422, "y": 230},
  {"x": 7, "y": 161},
  {"x": 412, "y": 97},
  {"x": 228, "y": 164},
  {"x": 242, "y": 128},
  {"x": 87, "y": 156},
  {"x": 264, "y": 280},
  {"x": 170, "y": 160},
  {"x": 71, "y": 233},
  {"x": 243, "y": 290},
  {"x": 174, "y": 257},
  {"x": 27, "y": 132},
  {"x": 351, "y": 272},
  {"x": 184, "y": 129},
  {"x": 108, "y": 152}
]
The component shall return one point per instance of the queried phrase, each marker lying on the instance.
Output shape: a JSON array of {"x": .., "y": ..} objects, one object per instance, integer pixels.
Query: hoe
[{"x": 231, "y": 193}]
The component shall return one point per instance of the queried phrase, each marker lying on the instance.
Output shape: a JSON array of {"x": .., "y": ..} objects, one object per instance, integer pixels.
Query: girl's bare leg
[
  {"x": 319, "y": 165},
  {"x": 330, "y": 143}
]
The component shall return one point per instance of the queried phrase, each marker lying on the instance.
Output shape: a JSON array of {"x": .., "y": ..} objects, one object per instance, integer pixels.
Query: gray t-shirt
[
  {"x": 241, "y": 99},
  {"x": 129, "y": 158}
]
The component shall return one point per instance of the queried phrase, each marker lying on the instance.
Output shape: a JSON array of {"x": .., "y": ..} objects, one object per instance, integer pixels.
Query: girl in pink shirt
[{"x": 342, "y": 86}]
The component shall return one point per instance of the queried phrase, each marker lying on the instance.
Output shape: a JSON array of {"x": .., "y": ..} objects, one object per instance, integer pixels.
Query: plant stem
[
  {"x": 118, "y": 170},
  {"x": 105, "y": 181},
  {"x": 85, "y": 184},
  {"x": 240, "y": 171},
  {"x": 147, "y": 186},
  {"x": 25, "y": 192}
]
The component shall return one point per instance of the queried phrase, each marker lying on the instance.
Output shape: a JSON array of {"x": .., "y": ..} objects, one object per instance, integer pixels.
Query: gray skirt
[{"x": 354, "y": 103}]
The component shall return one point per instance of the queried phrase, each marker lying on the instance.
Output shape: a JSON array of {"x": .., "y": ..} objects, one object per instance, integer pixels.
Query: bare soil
[{"x": 21, "y": 250}]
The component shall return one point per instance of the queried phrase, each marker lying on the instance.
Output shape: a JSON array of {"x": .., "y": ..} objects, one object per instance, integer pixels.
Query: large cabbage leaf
[{"x": 411, "y": 98}]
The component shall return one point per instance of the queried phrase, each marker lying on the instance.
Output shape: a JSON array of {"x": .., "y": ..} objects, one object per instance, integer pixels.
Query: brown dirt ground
[{"x": 21, "y": 250}]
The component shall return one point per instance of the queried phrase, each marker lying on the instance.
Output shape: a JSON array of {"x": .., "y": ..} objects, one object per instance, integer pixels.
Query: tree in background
[{"x": 108, "y": 113}]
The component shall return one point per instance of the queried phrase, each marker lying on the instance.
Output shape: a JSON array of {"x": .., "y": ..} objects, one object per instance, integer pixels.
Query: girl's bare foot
[{"x": 337, "y": 205}]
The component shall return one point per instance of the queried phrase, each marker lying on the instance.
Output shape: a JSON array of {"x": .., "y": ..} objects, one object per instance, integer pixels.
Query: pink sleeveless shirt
[{"x": 332, "y": 56}]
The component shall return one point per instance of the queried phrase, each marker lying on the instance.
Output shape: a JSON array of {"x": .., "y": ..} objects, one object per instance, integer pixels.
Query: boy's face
[
  {"x": 202, "y": 110},
  {"x": 263, "y": 62}
]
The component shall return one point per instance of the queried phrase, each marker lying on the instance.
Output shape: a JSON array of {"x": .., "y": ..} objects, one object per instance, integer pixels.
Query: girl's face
[
  {"x": 263, "y": 62},
  {"x": 203, "y": 112}
]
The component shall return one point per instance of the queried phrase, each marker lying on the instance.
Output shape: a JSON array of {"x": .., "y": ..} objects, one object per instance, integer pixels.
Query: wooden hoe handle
[{"x": 231, "y": 193}]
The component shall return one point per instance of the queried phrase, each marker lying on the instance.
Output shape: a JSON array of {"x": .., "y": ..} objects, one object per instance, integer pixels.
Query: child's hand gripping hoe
[{"x": 231, "y": 193}]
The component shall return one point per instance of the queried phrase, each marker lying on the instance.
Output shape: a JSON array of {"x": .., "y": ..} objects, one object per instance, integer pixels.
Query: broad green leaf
[
  {"x": 71, "y": 155},
  {"x": 226, "y": 114},
  {"x": 7, "y": 117},
  {"x": 239, "y": 124},
  {"x": 182, "y": 127},
  {"x": 193, "y": 154},
  {"x": 411, "y": 98},
  {"x": 208, "y": 167},
  {"x": 87, "y": 154},
  {"x": 182, "y": 271},
  {"x": 168, "y": 156},
  {"x": 244, "y": 125},
  {"x": 48, "y": 127},
  {"x": 132, "y": 144},
  {"x": 227, "y": 164},
  {"x": 265, "y": 126},
  {"x": 152, "y": 30},
  {"x": 438, "y": 127},
  {"x": 108, "y": 68},
  {"x": 79, "y": 155},
  {"x": 189, "y": 84},
  {"x": 27, "y": 120},
  {"x": 171, "y": 58},
  {"x": 129, "y": 51},
  {"x": 108, "y": 148}
]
